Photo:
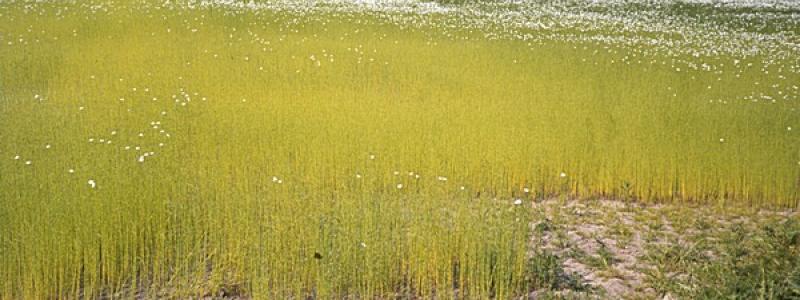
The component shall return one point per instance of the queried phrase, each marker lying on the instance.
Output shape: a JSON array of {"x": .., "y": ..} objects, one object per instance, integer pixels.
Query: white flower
[
  {"x": 396, "y": 173},
  {"x": 721, "y": 140},
  {"x": 399, "y": 186},
  {"x": 28, "y": 162},
  {"x": 71, "y": 171},
  {"x": 789, "y": 128},
  {"x": 358, "y": 176},
  {"x": 141, "y": 158},
  {"x": 462, "y": 187},
  {"x": 92, "y": 183},
  {"x": 114, "y": 132},
  {"x": 563, "y": 175},
  {"x": 47, "y": 146},
  {"x": 81, "y": 108},
  {"x": 518, "y": 202},
  {"x": 363, "y": 245},
  {"x": 372, "y": 156},
  {"x": 441, "y": 178},
  {"x": 527, "y": 190},
  {"x": 16, "y": 157}
]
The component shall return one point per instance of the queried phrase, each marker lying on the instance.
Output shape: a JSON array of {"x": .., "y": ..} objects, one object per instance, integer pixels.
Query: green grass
[
  {"x": 746, "y": 263},
  {"x": 291, "y": 146}
]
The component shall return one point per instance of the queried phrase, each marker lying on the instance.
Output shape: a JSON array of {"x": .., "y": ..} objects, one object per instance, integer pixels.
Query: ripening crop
[{"x": 171, "y": 150}]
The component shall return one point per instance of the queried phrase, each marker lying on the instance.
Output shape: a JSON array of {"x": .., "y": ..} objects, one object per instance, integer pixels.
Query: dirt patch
[{"x": 609, "y": 245}]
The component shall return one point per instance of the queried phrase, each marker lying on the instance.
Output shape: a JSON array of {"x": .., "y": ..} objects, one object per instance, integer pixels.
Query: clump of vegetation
[
  {"x": 546, "y": 273},
  {"x": 759, "y": 262}
]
